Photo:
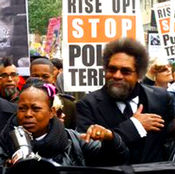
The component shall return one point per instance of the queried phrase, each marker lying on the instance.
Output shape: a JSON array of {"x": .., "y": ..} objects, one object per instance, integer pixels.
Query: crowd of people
[{"x": 130, "y": 120}]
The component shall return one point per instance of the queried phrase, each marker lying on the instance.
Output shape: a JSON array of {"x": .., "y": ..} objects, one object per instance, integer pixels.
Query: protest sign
[
  {"x": 52, "y": 38},
  {"x": 154, "y": 46},
  {"x": 87, "y": 27},
  {"x": 163, "y": 13},
  {"x": 172, "y": 17},
  {"x": 146, "y": 12},
  {"x": 14, "y": 33}
]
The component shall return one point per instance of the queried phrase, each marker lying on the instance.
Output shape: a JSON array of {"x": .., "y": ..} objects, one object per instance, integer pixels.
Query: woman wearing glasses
[{"x": 159, "y": 73}]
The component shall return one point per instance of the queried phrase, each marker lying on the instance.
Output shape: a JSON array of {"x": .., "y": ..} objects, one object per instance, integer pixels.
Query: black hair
[
  {"x": 6, "y": 61},
  {"x": 38, "y": 83},
  {"x": 58, "y": 63},
  {"x": 34, "y": 57},
  {"x": 131, "y": 47},
  {"x": 43, "y": 61}
]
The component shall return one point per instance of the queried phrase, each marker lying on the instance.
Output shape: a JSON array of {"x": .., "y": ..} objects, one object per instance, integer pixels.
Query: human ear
[{"x": 53, "y": 112}]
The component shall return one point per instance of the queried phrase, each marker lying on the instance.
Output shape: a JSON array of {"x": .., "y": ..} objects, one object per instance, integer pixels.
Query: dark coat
[
  {"x": 99, "y": 108},
  {"x": 69, "y": 110},
  {"x": 65, "y": 147},
  {"x": 7, "y": 109},
  {"x": 148, "y": 81}
]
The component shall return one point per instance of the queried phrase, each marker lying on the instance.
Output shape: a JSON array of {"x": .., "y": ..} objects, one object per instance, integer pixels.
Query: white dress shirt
[{"x": 134, "y": 103}]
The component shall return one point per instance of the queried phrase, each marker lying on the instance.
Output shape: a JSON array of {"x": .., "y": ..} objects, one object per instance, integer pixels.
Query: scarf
[{"x": 53, "y": 143}]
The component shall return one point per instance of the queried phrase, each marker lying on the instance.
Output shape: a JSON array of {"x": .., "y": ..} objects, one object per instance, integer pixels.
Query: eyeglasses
[
  {"x": 124, "y": 71},
  {"x": 6, "y": 76},
  {"x": 162, "y": 68}
]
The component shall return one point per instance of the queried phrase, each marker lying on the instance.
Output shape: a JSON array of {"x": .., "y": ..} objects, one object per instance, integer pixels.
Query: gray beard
[{"x": 118, "y": 93}]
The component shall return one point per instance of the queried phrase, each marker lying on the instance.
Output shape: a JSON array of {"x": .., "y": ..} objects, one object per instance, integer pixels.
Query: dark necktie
[{"x": 128, "y": 111}]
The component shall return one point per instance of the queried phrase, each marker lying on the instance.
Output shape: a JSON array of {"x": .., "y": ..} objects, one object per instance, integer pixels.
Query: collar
[
  {"x": 135, "y": 100},
  {"x": 134, "y": 103},
  {"x": 41, "y": 137}
]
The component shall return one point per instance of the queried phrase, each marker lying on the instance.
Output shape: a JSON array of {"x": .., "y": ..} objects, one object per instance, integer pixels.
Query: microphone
[
  {"x": 24, "y": 160},
  {"x": 21, "y": 139}
]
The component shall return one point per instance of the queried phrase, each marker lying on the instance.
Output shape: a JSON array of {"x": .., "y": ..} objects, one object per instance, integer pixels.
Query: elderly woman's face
[{"x": 34, "y": 112}]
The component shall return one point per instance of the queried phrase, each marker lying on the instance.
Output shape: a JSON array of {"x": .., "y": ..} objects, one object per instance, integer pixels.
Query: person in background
[
  {"x": 51, "y": 140},
  {"x": 43, "y": 68},
  {"x": 60, "y": 87},
  {"x": 8, "y": 90},
  {"x": 139, "y": 113},
  {"x": 159, "y": 73},
  {"x": 58, "y": 67},
  {"x": 172, "y": 62},
  {"x": 9, "y": 79}
]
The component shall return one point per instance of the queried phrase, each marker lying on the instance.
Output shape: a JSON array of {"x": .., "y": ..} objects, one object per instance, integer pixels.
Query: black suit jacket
[
  {"x": 7, "y": 109},
  {"x": 99, "y": 108}
]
